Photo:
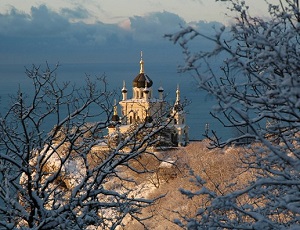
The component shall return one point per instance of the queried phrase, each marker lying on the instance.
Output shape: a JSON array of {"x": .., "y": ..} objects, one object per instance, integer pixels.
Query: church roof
[
  {"x": 160, "y": 89},
  {"x": 115, "y": 117},
  {"x": 148, "y": 119},
  {"x": 124, "y": 90},
  {"x": 142, "y": 80}
]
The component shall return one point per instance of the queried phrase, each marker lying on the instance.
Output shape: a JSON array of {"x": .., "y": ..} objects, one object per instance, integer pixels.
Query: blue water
[{"x": 13, "y": 77}]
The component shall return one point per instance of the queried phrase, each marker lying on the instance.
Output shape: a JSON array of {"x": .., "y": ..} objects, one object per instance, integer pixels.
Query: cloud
[
  {"x": 78, "y": 13},
  {"x": 155, "y": 25},
  {"x": 126, "y": 24},
  {"x": 48, "y": 22},
  {"x": 40, "y": 22},
  {"x": 58, "y": 36}
]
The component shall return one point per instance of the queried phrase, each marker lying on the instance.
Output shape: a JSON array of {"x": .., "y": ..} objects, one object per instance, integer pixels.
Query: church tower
[
  {"x": 142, "y": 107},
  {"x": 180, "y": 128}
]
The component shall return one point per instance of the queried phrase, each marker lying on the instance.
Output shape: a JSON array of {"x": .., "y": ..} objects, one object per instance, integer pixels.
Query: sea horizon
[{"x": 162, "y": 74}]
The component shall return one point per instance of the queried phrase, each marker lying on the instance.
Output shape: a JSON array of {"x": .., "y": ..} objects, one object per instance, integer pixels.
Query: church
[{"x": 143, "y": 107}]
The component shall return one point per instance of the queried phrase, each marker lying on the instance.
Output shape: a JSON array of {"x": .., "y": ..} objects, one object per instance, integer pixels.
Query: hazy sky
[
  {"x": 115, "y": 11},
  {"x": 101, "y": 30}
]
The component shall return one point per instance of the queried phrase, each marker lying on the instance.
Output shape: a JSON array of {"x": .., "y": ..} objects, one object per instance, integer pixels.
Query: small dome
[
  {"x": 124, "y": 90},
  {"x": 141, "y": 81},
  {"x": 148, "y": 119},
  {"x": 115, "y": 118},
  {"x": 160, "y": 89},
  {"x": 111, "y": 126}
]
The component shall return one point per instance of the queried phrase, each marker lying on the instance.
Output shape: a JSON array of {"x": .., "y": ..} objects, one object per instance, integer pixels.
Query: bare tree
[
  {"x": 55, "y": 171},
  {"x": 258, "y": 88}
]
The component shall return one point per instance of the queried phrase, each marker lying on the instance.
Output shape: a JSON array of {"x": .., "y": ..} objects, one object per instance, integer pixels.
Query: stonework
[{"x": 143, "y": 107}]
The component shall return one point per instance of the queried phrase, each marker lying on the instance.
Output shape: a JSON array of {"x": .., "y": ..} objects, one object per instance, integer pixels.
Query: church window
[
  {"x": 130, "y": 119},
  {"x": 174, "y": 138},
  {"x": 175, "y": 121}
]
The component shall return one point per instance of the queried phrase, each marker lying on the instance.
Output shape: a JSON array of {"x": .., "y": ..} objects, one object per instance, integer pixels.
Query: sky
[
  {"x": 112, "y": 11},
  {"x": 85, "y": 31}
]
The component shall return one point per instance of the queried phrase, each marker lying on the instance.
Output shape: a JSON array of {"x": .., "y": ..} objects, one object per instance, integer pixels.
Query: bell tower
[{"x": 179, "y": 121}]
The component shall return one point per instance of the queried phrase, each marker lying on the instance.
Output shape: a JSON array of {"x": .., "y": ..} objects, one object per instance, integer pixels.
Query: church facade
[{"x": 143, "y": 107}]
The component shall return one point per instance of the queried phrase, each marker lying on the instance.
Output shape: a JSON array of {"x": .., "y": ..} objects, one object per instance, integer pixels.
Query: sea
[{"x": 198, "y": 116}]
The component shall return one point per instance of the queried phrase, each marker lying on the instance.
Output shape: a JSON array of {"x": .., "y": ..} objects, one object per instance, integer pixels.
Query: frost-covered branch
[
  {"x": 56, "y": 172},
  {"x": 256, "y": 89}
]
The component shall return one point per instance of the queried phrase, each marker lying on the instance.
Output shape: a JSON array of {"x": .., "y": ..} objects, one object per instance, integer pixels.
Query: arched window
[{"x": 174, "y": 138}]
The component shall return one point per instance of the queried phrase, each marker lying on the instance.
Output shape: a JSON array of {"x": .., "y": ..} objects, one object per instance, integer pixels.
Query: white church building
[{"x": 144, "y": 107}]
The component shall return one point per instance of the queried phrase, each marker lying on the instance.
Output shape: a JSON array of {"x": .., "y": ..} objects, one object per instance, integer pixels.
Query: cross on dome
[
  {"x": 142, "y": 63},
  {"x": 142, "y": 79}
]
